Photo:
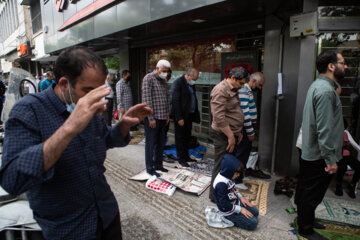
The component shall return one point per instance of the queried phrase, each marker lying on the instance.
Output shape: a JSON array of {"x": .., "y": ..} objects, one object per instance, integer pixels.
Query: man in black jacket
[{"x": 184, "y": 111}]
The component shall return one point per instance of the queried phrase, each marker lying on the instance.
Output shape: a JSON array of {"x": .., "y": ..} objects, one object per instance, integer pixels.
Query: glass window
[
  {"x": 205, "y": 55},
  {"x": 339, "y": 11},
  {"x": 35, "y": 11},
  {"x": 349, "y": 45}
]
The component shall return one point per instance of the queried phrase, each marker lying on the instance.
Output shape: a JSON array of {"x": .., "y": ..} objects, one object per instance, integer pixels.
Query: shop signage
[
  {"x": 24, "y": 50},
  {"x": 90, "y": 10}
]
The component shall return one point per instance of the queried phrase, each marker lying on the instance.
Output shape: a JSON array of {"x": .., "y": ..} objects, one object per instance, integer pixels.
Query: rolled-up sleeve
[
  {"x": 323, "y": 104},
  {"x": 22, "y": 160}
]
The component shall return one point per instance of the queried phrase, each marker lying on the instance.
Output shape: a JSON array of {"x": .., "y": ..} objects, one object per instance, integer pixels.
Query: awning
[{"x": 45, "y": 58}]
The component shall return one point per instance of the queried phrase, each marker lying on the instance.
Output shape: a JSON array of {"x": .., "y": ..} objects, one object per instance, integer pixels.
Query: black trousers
[
  {"x": 342, "y": 166},
  {"x": 244, "y": 149},
  {"x": 112, "y": 232},
  {"x": 109, "y": 111},
  {"x": 154, "y": 144},
  {"x": 310, "y": 191},
  {"x": 220, "y": 144},
  {"x": 182, "y": 139}
]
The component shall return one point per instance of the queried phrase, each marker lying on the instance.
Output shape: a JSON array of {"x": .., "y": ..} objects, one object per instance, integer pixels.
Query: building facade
[{"x": 214, "y": 36}]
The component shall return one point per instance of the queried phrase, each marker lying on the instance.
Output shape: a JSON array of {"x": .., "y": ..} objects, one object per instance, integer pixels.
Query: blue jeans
[{"x": 243, "y": 222}]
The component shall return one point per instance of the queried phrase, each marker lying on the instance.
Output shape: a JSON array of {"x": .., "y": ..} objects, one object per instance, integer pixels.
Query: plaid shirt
[
  {"x": 155, "y": 95},
  {"x": 68, "y": 199},
  {"x": 123, "y": 95}
]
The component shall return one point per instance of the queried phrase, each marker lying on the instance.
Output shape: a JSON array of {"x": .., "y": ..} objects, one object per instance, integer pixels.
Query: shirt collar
[
  {"x": 55, "y": 101},
  {"x": 330, "y": 81},
  {"x": 230, "y": 89}
]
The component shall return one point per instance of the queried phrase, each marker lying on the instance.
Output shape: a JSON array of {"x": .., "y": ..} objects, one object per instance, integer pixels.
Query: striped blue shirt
[{"x": 248, "y": 106}]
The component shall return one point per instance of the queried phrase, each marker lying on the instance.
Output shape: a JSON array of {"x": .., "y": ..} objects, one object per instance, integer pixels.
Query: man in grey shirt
[
  {"x": 322, "y": 140},
  {"x": 123, "y": 93}
]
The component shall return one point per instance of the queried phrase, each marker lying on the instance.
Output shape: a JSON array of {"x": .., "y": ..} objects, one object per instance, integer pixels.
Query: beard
[{"x": 339, "y": 74}]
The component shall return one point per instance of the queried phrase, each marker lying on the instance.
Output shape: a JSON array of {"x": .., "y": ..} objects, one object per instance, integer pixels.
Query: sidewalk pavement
[{"x": 146, "y": 214}]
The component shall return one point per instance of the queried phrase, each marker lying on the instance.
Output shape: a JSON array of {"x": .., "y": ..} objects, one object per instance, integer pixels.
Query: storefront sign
[
  {"x": 24, "y": 50},
  {"x": 85, "y": 13}
]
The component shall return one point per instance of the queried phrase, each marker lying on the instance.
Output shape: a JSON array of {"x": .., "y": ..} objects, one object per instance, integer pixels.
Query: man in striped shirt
[{"x": 248, "y": 106}]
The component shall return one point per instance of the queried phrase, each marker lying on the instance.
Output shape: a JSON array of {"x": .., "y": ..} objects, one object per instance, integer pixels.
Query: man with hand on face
[
  {"x": 322, "y": 140},
  {"x": 59, "y": 161},
  {"x": 228, "y": 118},
  {"x": 154, "y": 94},
  {"x": 184, "y": 111},
  {"x": 123, "y": 93}
]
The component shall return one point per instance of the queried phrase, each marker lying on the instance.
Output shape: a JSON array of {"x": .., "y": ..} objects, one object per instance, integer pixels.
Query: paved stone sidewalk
[{"x": 146, "y": 214}]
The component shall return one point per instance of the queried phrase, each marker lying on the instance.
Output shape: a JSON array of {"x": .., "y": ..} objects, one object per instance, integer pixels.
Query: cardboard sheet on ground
[{"x": 186, "y": 180}]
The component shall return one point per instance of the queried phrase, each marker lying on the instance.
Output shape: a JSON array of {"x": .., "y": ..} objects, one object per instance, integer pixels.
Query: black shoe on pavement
[
  {"x": 152, "y": 172},
  {"x": 168, "y": 160},
  {"x": 313, "y": 236},
  {"x": 339, "y": 190},
  {"x": 183, "y": 164},
  {"x": 351, "y": 191},
  {"x": 256, "y": 173},
  {"x": 190, "y": 160},
  {"x": 318, "y": 226},
  {"x": 162, "y": 169}
]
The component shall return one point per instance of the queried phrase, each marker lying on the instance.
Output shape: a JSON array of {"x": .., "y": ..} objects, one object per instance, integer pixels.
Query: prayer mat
[
  {"x": 339, "y": 211},
  {"x": 334, "y": 231},
  {"x": 257, "y": 194},
  {"x": 136, "y": 139},
  {"x": 205, "y": 166}
]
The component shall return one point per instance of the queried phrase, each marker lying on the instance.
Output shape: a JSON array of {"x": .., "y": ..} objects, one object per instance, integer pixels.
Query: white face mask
[
  {"x": 191, "y": 82},
  {"x": 69, "y": 106},
  {"x": 163, "y": 75}
]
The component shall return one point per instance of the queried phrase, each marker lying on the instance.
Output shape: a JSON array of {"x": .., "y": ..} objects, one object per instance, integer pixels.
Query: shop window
[
  {"x": 339, "y": 11},
  {"x": 205, "y": 55},
  {"x": 349, "y": 45}
]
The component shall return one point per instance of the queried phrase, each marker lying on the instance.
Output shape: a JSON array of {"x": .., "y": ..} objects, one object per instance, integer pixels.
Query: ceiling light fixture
[{"x": 198, "y": 20}]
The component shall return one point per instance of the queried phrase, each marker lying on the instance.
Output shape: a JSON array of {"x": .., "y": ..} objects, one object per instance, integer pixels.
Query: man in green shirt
[{"x": 322, "y": 140}]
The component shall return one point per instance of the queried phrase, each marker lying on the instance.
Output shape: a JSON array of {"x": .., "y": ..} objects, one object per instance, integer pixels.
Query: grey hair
[
  {"x": 257, "y": 76},
  {"x": 191, "y": 71},
  {"x": 163, "y": 63}
]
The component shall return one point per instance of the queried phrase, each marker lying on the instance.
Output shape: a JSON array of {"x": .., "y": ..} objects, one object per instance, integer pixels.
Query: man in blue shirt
[
  {"x": 48, "y": 81},
  {"x": 55, "y": 147}
]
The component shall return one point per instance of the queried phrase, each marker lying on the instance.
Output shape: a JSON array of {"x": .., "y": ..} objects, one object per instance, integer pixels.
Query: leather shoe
[
  {"x": 318, "y": 225},
  {"x": 256, "y": 173},
  {"x": 190, "y": 160},
  {"x": 152, "y": 172},
  {"x": 162, "y": 169},
  {"x": 313, "y": 236},
  {"x": 184, "y": 164}
]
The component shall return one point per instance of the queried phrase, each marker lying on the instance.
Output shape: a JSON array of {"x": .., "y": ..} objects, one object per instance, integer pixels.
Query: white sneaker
[{"x": 241, "y": 186}]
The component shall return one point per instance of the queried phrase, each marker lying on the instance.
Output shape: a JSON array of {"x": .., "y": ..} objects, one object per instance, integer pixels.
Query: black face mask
[{"x": 128, "y": 79}]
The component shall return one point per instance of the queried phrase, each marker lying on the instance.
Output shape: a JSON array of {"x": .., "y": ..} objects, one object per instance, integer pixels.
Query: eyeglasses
[{"x": 342, "y": 63}]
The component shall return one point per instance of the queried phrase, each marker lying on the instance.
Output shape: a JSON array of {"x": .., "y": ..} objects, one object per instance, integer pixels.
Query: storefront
[{"x": 213, "y": 36}]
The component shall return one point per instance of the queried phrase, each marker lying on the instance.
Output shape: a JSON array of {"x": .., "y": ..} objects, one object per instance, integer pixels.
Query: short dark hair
[
  {"x": 239, "y": 73},
  {"x": 72, "y": 61},
  {"x": 326, "y": 57},
  {"x": 125, "y": 72}
]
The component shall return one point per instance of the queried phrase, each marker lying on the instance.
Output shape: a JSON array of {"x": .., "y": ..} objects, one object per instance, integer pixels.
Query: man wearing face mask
[
  {"x": 154, "y": 94},
  {"x": 59, "y": 161},
  {"x": 184, "y": 111},
  {"x": 123, "y": 93},
  {"x": 322, "y": 140}
]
